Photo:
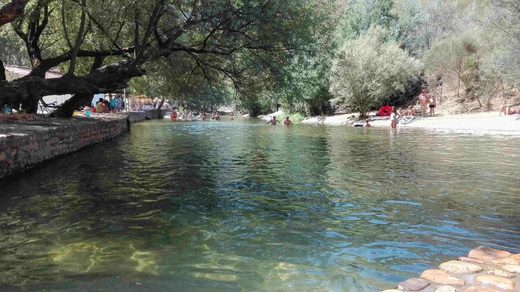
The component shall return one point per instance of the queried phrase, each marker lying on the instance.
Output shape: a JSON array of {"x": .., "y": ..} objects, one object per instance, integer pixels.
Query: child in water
[
  {"x": 394, "y": 118},
  {"x": 287, "y": 122}
]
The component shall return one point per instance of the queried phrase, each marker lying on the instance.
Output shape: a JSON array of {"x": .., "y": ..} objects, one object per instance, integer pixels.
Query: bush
[
  {"x": 319, "y": 104},
  {"x": 370, "y": 69}
]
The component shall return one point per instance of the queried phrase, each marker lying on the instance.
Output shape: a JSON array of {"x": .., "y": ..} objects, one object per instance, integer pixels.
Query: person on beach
[
  {"x": 433, "y": 104},
  {"x": 273, "y": 121},
  {"x": 107, "y": 106},
  {"x": 410, "y": 112},
  {"x": 100, "y": 106},
  {"x": 173, "y": 115},
  {"x": 394, "y": 118},
  {"x": 87, "y": 111},
  {"x": 409, "y": 115},
  {"x": 506, "y": 110},
  {"x": 367, "y": 124},
  {"x": 423, "y": 100},
  {"x": 287, "y": 122},
  {"x": 113, "y": 105}
]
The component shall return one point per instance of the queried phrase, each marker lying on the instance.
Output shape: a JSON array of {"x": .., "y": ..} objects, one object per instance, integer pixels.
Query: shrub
[{"x": 370, "y": 69}]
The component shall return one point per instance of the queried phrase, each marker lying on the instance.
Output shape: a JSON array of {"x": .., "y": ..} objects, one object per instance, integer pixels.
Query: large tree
[{"x": 102, "y": 44}]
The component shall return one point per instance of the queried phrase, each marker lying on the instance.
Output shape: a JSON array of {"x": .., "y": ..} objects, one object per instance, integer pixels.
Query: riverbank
[
  {"x": 481, "y": 123},
  {"x": 484, "y": 269},
  {"x": 26, "y": 140}
]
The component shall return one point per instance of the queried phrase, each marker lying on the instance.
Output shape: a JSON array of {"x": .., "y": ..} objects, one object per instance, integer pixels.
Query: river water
[{"x": 242, "y": 206}]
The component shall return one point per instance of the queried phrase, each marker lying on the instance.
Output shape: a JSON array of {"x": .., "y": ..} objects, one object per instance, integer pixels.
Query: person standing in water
[
  {"x": 287, "y": 122},
  {"x": 394, "y": 118},
  {"x": 273, "y": 121},
  {"x": 173, "y": 115}
]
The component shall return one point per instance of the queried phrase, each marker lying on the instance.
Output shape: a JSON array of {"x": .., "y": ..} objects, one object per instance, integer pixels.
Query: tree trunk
[
  {"x": 79, "y": 39},
  {"x": 458, "y": 87},
  {"x": 159, "y": 107},
  {"x": 2, "y": 71},
  {"x": 66, "y": 110},
  {"x": 29, "y": 90}
]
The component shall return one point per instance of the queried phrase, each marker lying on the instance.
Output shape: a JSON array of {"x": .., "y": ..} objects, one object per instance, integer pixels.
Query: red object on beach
[{"x": 385, "y": 111}]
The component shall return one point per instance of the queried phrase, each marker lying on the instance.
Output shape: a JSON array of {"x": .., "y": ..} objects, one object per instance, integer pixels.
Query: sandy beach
[{"x": 478, "y": 123}]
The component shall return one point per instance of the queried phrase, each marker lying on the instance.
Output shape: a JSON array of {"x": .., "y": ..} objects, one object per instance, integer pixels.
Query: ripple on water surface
[{"x": 243, "y": 206}]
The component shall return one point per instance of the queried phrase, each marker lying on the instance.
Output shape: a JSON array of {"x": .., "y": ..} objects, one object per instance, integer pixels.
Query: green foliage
[
  {"x": 257, "y": 54},
  {"x": 296, "y": 117},
  {"x": 12, "y": 49},
  {"x": 370, "y": 69},
  {"x": 455, "y": 57},
  {"x": 319, "y": 103},
  {"x": 470, "y": 76}
]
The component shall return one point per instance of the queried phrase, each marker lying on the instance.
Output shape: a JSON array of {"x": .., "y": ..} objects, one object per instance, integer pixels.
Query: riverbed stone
[
  {"x": 486, "y": 253},
  {"x": 470, "y": 260},
  {"x": 512, "y": 268},
  {"x": 446, "y": 288},
  {"x": 498, "y": 282},
  {"x": 441, "y": 277},
  {"x": 458, "y": 268},
  {"x": 393, "y": 290},
  {"x": 413, "y": 284},
  {"x": 480, "y": 289},
  {"x": 502, "y": 273},
  {"x": 512, "y": 260}
]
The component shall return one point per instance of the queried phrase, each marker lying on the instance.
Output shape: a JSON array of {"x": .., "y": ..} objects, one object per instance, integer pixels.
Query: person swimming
[
  {"x": 273, "y": 121},
  {"x": 287, "y": 122}
]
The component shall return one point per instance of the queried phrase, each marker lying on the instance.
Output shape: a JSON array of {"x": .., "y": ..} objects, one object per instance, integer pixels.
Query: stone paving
[{"x": 484, "y": 269}]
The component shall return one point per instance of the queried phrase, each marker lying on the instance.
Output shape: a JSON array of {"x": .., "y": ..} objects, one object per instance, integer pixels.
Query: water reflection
[{"x": 242, "y": 206}]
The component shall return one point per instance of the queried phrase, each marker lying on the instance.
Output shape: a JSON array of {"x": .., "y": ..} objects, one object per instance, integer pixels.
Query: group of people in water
[
  {"x": 189, "y": 116},
  {"x": 273, "y": 122}
]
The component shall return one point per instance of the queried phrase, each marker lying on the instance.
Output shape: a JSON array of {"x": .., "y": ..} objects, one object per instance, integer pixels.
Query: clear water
[{"x": 237, "y": 206}]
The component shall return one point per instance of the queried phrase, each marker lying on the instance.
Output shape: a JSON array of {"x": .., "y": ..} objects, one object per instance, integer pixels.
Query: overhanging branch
[{"x": 11, "y": 11}]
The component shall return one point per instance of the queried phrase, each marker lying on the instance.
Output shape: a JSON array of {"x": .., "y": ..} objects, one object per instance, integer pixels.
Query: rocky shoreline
[{"x": 483, "y": 270}]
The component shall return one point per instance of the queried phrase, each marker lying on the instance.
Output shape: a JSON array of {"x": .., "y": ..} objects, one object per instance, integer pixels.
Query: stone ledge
[
  {"x": 26, "y": 141},
  {"x": 484, "y": 269}
]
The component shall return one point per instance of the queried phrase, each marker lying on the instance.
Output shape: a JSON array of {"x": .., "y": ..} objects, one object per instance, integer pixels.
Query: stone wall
[{"x": 25, "y": 143}]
